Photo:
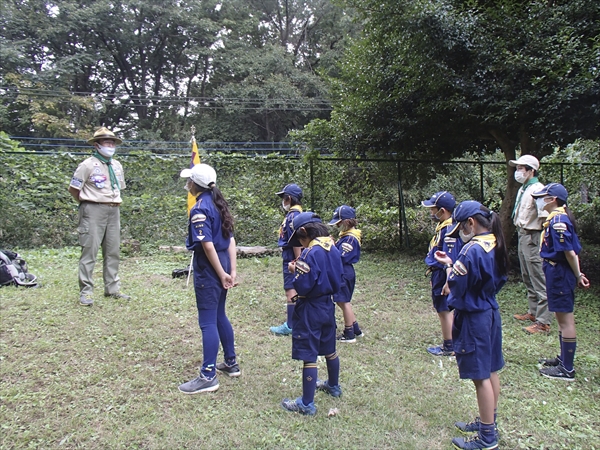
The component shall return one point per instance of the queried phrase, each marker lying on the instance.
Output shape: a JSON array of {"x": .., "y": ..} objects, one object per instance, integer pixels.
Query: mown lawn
[{"x": 107, "y": 376}]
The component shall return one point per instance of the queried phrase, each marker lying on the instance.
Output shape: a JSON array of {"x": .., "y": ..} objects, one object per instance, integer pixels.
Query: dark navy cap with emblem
[
  {"x": 299, "y": 221},
  {"x": 291, "y": 189},
  {"x": 463, "y": 211},
  {"x": 443, "y": 199},
  {"x": 342, "y": 213},
  {"x": 553, "y": 190}
]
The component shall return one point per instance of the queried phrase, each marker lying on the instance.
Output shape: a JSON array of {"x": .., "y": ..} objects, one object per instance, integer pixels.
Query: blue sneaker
[
  {"x": 282, "y": 330},
  {"x": 299, "y": 407},
  {"x": 473, "y": 443},
  {"x": 473, "y": 427},
  {"x": 440, "y": 351},
  {"x": 334, "y": 391}
]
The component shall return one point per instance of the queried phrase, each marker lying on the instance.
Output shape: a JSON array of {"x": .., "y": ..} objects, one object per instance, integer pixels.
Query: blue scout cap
[
  {"x": 443, "y": 199},
  {"x": 291, "y": 189},
  {"x": 342, "y": 213},
  {"x": 463, "y": 211},
  {"x": 299, "y": 221},
  {"x": 553, "y": 190}
]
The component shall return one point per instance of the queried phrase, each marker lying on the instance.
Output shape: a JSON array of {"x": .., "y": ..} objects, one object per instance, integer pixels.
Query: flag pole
[{"x": 191, "y": 200}]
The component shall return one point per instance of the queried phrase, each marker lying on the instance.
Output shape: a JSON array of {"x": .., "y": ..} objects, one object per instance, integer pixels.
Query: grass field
[{"x": 107, "y": 376}]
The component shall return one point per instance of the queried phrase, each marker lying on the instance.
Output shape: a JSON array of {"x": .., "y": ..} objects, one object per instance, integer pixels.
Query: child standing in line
[
  {"x": 210, "y": 237},
  {"x": 318, "y": 275},
  {"x": 291, "y": 202},
  {"x": 348, "y": 244},
  {"x": 476, "y": 277},
  {"x": 441, "y": 206},
  {"x": 559, "y": 249}
]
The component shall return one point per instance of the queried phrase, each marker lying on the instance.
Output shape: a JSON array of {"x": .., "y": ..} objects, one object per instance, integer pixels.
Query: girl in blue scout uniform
[
  {"x": 291, "y": 201},
  {"x": 475, "y": 278},
  {"x": 318, "y": 275},
  {"x": 441, "y": 206},
  {"x": 210, "y": 237},
  {"x": 348, "y": 244},
  {"x": 559, "y": 248}
]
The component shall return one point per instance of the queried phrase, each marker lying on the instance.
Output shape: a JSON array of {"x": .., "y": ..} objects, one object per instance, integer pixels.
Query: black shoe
[
  {"x": 550, "y": 362},
  {"x": 232, "y": 371},
  {"x": 558, "y": 373}
]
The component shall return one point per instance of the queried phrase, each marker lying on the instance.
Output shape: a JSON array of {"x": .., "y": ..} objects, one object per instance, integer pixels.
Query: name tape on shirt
[{"x": 198, "y": 218}]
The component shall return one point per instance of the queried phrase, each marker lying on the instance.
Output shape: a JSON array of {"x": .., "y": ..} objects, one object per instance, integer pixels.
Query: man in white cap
[
  {"x": 96, "y": 186},
  {"x": 528, "y": 220}
]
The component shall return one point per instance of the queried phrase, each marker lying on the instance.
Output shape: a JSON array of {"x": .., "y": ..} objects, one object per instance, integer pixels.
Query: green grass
[{"x": 107, "y": 376}]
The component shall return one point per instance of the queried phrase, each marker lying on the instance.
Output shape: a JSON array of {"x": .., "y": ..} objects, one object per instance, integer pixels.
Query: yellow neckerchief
[
  {"x": 435, "y": 240},
  {"x": 324, "y": 241},
  {"x": 296, "y": 208},
  {"x": 293, "y": 208},
  {"x": 352, "y": 232},
  {"x": 486, "y": 241},
  {"x": 556, "y": 212}
]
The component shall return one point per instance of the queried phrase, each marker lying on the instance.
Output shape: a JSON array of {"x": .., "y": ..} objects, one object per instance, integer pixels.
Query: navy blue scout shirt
[
  {"x": 205, "y": 226},
  {"x": 285, "y": 233},
  {"x": 440, "y": 242},
  {"x": 475, "y": 280},
  {"x": 558, "y": 237},
  {"x": 318, "y": 270}
]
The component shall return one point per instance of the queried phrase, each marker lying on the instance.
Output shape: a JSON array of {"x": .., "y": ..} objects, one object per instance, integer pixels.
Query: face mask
[
  {"x": 520, "y": 176},
  {"x": 284, "y": 206},
  {"x": 541, "y": 202},
  {"x": 435, "y": 217},
  {"x": 466, "y": 237},
  {"x": 107, "y": 152}
]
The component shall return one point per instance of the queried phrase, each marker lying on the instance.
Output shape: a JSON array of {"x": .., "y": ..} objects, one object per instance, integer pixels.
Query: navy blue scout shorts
[
  {"x": 477, "y": 339},
  {"x": 314, "y": 328},
  {"x": 438, "y": 279},
  {"x": 560, "y": 287}
]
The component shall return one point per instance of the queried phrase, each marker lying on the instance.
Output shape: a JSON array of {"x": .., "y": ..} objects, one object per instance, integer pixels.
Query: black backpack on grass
[{"x": 13, "y": 270}]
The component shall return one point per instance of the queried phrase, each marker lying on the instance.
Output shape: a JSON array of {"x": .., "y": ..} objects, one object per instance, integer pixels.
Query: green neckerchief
[
  {"x": 520, "y": 194},
  {"x": 114, "y": 181}
]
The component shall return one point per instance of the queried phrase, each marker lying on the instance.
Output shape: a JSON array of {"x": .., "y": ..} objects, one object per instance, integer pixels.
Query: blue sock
[
  {"x": 487, "y": 432},
  {"x": 333, "y": 369},
  {"x": 309, "y": 382},
  {"x": 560, "y": 342},
  {"x": 569, "y": 345},
  {"x": 209, "y": 372},
  {"x": 356, "y": 328},
  {"x": 290, "y": 314},
  {"x": 448, "y": 345},
  {"x": 495, "y": 415}
]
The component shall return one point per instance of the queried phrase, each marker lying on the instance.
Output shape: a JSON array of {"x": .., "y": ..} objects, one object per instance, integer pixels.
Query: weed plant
[{"x": 106, "y": 377}]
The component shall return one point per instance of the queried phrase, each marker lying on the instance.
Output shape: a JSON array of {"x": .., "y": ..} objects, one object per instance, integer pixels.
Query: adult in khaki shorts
[
  {"x": 97, "y": 185},
  {"x": 529, "y": 222}
]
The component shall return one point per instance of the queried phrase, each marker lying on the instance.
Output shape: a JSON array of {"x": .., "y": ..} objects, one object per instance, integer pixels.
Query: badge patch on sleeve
[
  {"x": 560, "y": 227},
  {"x": 459, "y": 269},
  {"x": 302, "y": 267},
  {"x": 346, "y": 247},
  {"x": 198, "y": 218},
  {"x": 76, "y": 182}
]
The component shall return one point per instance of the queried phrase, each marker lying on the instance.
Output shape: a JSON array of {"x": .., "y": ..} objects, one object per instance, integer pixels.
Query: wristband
[{"x": 448, "y": 266}]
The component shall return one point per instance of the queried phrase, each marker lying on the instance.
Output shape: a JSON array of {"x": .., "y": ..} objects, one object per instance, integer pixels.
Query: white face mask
[
  {"x": 520, "y": 176},
  {"x": 107, "y": 152},
  {"x": 466, "y": 237},
  {"x": 541, "y": 202},
  {"x": 284, "y": 206}
]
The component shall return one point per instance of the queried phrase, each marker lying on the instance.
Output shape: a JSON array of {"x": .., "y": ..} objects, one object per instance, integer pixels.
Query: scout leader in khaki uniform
[{"x": 97, "y": 185}]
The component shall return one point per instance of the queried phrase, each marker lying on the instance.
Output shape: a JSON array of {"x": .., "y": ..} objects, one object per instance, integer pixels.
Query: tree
[{"x": 438, "y": 78}]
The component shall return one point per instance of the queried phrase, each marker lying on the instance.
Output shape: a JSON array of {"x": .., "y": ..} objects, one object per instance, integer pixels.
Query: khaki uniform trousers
[
  {"x": 533, "y": 275},
  {"x": 99, "y": 226}
]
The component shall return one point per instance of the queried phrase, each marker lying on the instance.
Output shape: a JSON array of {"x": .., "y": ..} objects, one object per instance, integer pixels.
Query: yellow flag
[{"x": 191, "y": 200}]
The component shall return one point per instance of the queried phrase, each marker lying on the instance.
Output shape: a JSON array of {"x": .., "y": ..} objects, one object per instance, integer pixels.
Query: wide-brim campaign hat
[
  {"x": 201, "y": 174},
  {"x": 291, "y": 189},
  {"x": 443, "y": 199},
  {"x": 553, "y": 190},
  {"x": 104, "y": 133},
  {"x": 526, "y": 160},
  {"x": 342, "y": 213},
  {"x": 299, "y": 221}
]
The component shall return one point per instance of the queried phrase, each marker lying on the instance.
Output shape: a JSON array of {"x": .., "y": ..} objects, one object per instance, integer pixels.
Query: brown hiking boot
[
  {"x": 526, "y": 316},
  {"x": 537, "y": 327}
]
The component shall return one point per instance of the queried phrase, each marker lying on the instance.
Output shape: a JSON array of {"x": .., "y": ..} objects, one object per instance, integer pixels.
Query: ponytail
[
  {"x": 492, "y": 223},
  {"x": 560, "y": 202},
  {"x": 223, "y": 208}
]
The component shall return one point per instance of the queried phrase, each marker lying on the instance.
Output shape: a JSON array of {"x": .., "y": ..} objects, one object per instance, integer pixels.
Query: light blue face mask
[{"x": 541, "y": 202}]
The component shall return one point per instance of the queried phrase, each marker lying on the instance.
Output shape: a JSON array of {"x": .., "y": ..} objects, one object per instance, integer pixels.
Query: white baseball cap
[
  {"x": 526, "y": 160},
  {"x": 201, "y": 174}
]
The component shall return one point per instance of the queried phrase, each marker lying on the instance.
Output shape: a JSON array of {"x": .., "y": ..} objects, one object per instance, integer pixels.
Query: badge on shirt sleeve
[
  {"x": 76, "y": 182},
  {"x": 198, "y": 218},
  {"x": 450, "y": 241},
  {"x": 346, "y": 247},
  {"x": 459, "y": 269},
  {"x": 302, "y": 267},
  {"x": 559, "y": 227}
]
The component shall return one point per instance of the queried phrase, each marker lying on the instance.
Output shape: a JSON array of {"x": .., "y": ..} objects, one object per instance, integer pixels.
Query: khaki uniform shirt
[
  {"x": 527, "y": 216},
  {"x": 93, "y": 181}
]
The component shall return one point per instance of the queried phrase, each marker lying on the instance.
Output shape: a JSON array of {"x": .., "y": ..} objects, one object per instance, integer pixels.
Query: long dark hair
[
  {"x": 223, "y": 207},
  {"x": 312, "y": 230},
  {"x": 493, "y": 224},
  {"x": 560, "y": 202}
]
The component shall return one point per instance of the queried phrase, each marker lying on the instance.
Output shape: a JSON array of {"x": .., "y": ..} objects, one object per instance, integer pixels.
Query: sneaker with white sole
[
  {"x": 334, "y": 391},
  {"x": 473, "y": 443},
  {"x": 299, "y": 407},
  {"x": 232, "y": 371},
  {"x": 281, "y": 330},
  {"x": 86, "y": 300},
  {"x": 346, "y": 337},
  {"x": 558, "y": 373},
  {"x": 200, "y": 384},
  {"x": 473, "y": 427}
]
